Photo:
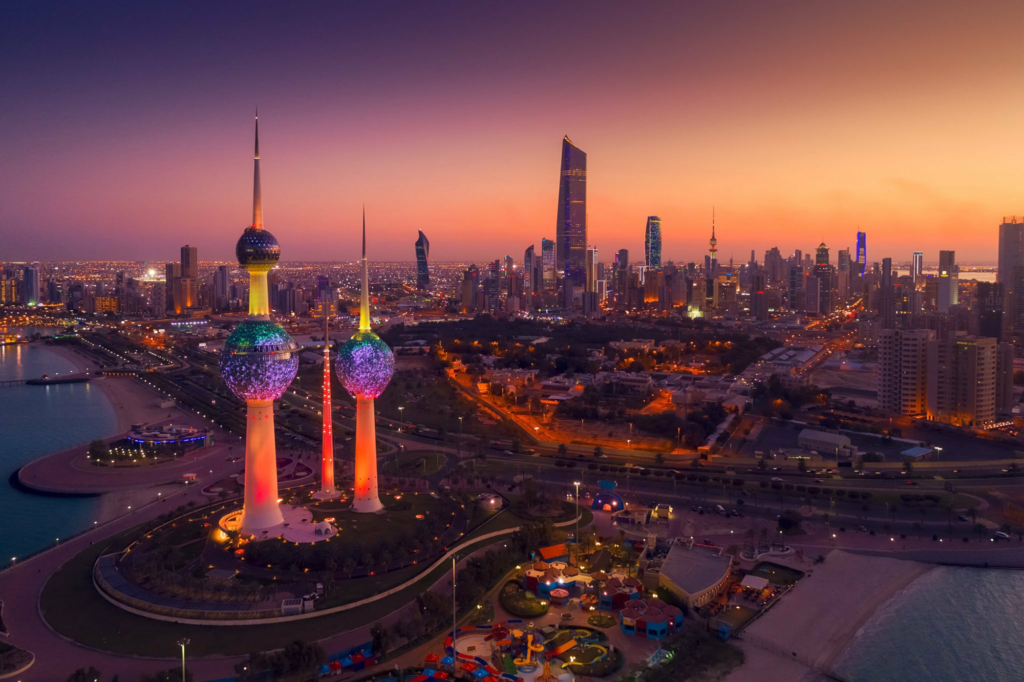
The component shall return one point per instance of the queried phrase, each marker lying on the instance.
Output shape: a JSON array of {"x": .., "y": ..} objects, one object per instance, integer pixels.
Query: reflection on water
[
  {"x": 35, "y": 421},
  {"x": 950, "y": 625}
]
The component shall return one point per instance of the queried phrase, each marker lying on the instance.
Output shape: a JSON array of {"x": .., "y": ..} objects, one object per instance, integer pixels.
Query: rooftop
[{"x": 695, "y": 569}]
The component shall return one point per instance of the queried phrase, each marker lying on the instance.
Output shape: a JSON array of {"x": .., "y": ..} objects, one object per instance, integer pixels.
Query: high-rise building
[
  {"x": 591, "y": 265},
  {"x": 1011, "y": 256},
  {"x": 862, "y": 252},
  {"x": 962, "y": 380},
  {"x": 528, "y": 272},
  {"x": 365, "y": 366},
  {"x": 948, "y": 285},
  {"x": 571, "y": 227},
  {"x": 190, "y": 261},
  {"x": 470, "y": 288},
  {"x": 172, "y": 273},
  {"x": 989, "y": 302},
  {"x": 710, "y": 264},
  {"x": 903, "y": 370},
  {"x": 917, "y": 267},
  {"x": 548, "y": 270},
  {"x": 887, "y": 296},
  {"x": 31, "y": 285},
  {"x": 422, "y": 269},
  {"x": 258, "y": 362},
  {"x": 823, "y": 271},
  {"x": 621, "y": 272},
  {"x": 221, "y": 280},
  {"x": 652, "y": 242}
]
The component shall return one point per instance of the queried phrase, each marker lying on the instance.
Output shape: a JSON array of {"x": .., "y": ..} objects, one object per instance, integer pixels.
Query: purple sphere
[
  {"x": 365, "y": 365},
  {"x": 259, "y": 360}
]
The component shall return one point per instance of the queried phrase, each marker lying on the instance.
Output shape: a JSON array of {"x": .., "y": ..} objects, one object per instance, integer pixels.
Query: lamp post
[
  {"x": 182, "y": 643},
  {"x": 400, "y": 411},
  {"x": 577, "y": 484},
  {"x": 455, "y": 653}
]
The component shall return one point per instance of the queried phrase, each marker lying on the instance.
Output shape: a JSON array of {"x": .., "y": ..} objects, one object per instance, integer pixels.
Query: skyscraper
[
  {"x": 712, "y": 249},
  {"x": 591, "y": 268},
  {"x": 571, "y": 227},
  {"x": 258, "y": 362},
  {"x": 948, "y": 286},
  {"x": 990, "y": 306},
  {"x": 31, "y": 285},
  {"x": 172, "y": 273},
  {"x": 220, "y": 287},
  {"x": 528, "y": 272},
  {"x": 422, "y": 269},
  {"x": 365, "y": 366},
  {"x": 823, "y": 272},
  {"x": 652, "y": 242},
  {"x": 548, "y": 269},
  {"x": 1011, "y": 254},
  {"x": 862, "y": 252},
  {"x": 190, "y": 261},
  {"x": 917, "y": 267}
]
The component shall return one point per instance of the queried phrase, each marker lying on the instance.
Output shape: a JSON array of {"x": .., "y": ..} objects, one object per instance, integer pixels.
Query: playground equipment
[
  {"x": 531, "y": 649},
  {"x": 561, "y": 649}
]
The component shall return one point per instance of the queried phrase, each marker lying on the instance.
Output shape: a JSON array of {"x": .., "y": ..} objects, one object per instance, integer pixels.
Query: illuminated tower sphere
[
  {"x": 258, "y": 362},
  {"x": 365, "y": 365}
]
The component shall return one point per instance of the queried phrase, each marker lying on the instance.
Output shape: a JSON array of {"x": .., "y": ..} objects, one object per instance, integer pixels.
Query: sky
[{"x": 127, "y": 127}]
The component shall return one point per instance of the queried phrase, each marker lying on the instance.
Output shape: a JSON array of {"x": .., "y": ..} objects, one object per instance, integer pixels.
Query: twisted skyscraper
[{"x": 258, "y": 362}]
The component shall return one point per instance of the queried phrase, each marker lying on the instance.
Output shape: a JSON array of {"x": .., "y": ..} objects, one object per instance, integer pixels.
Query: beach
[
  {"x": 811, "y": 627},
  {"x": 133, "y": 403}
]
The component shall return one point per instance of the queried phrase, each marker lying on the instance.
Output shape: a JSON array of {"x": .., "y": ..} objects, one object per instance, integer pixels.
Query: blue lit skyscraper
[
  {"x": 652, "y": 242},
  {"x": 422, "y": 269},
  {"x": 571, "y": 228},
  {"x": 862, "y": 253}
]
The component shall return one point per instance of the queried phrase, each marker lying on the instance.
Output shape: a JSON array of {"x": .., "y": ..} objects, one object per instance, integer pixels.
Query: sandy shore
[
  {"x": 818, "y": 620},
  {"x": 132, "y": 402}
]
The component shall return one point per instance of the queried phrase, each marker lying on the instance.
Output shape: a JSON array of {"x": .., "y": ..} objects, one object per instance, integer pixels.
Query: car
[
  {"x": 911, "y": 483},
  {"x": 818, "y": 480},
  {"x": 694, "y": 508},
  {"x": 777, "y": 479},
  {"x": 962, "y": 518},
  {"x": 863, "y": 529},
  {"x": 1000, "y": 535}
]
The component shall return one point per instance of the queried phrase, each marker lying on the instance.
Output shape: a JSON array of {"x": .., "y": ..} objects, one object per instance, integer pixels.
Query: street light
[
  {"x": 182, "y": 643},
  {"x": 577, "y": 484}
]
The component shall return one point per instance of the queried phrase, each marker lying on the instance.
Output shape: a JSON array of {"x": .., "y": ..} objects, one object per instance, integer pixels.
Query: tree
[
  {"x": 802, "y": 466},
  {"x": 659, "y": 458},
  {"x": 598, "y": 452},
  {"x": 789, "y": 522},
  {"x": 761, "y": 464},
  {"x": 908, "y": 467},
  {"x": 562, "y": 449},
  {"x": 83, "y": 675}
]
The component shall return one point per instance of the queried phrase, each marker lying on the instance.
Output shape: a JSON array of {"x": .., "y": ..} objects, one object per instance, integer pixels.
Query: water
[
  {"x": 950, "y": 625},
  {"x": 36, "y": 421}
]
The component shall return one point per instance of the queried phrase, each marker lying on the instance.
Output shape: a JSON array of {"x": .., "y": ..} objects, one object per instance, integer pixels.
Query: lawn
[
  {"x": 694, "y": 655},
  {"x": 736, "y": 616},
  {"x": 73, "y": 607},
  {"x": 413, "y": 463},
  {"x": 521, "y": 603},
  {"x": 602, "y": 620}
]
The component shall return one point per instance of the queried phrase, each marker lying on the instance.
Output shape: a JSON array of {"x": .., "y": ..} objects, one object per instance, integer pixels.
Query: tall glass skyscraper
[
  {"x": 422, "y": 269},
  {"x": 547, "y": 257},
  {"x": 862, "y": 252},
  {"x": 652, "y": 242},
  {"x": 571, "y": 228}
]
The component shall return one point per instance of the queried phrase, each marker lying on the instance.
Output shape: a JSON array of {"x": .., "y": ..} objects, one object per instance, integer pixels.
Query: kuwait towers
[
  {"x": 327, "y": 490},
  {"x": 258, "y": 363},
  {"x": 365, "y": 366}
]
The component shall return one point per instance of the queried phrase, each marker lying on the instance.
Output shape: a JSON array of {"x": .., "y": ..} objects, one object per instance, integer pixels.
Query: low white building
[{"x": 827, "y": 444}]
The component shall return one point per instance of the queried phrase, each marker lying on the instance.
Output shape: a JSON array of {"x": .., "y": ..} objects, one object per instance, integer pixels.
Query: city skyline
[{"x": 779, "y": 149}]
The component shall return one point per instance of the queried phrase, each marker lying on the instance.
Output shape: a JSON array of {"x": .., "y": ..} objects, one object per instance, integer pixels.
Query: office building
[
  {"x": 220, "y": 287},
  {"x": 591, "y": 265},
  {"x": 989, "y": 303},
  {"x": 571, "y": 227},
  {"x": 903, "y": 370},
  {"x": 826, "y": 280},
  {"x": 962, "y": 380},
  {"x": 190, "y": 262},
  {"x": 917, "y": 267},
  {"x": 548, "y": 270},
  {"x": 528, "y": 272},
  {"x": 862, "y": 252},
  {"x": 1004, "y": 379},
  {"x": 620, "y": 272},
  {"x": 31, "y": 286},
  {"x": 422, "y": 268},
  {"x": 1011, "y": 256},
  {"x": 652, "y": 242}
]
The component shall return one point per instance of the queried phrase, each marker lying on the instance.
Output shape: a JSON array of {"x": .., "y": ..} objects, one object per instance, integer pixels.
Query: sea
[
  {"x": 949, "y": 625},
  {"x": 36, "y": 421}
]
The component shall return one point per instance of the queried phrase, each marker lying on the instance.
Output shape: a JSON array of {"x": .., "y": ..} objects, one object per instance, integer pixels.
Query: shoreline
[
  {"x": 811, "y": 629},
  {"x": 123, "y": 414}
]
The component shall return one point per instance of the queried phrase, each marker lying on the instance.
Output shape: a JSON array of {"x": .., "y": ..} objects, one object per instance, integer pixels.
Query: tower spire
[
  {"x": 364, "y": 303},
  {"x": 714, "y": 241},
  {"x": 257, "y": 195}
]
